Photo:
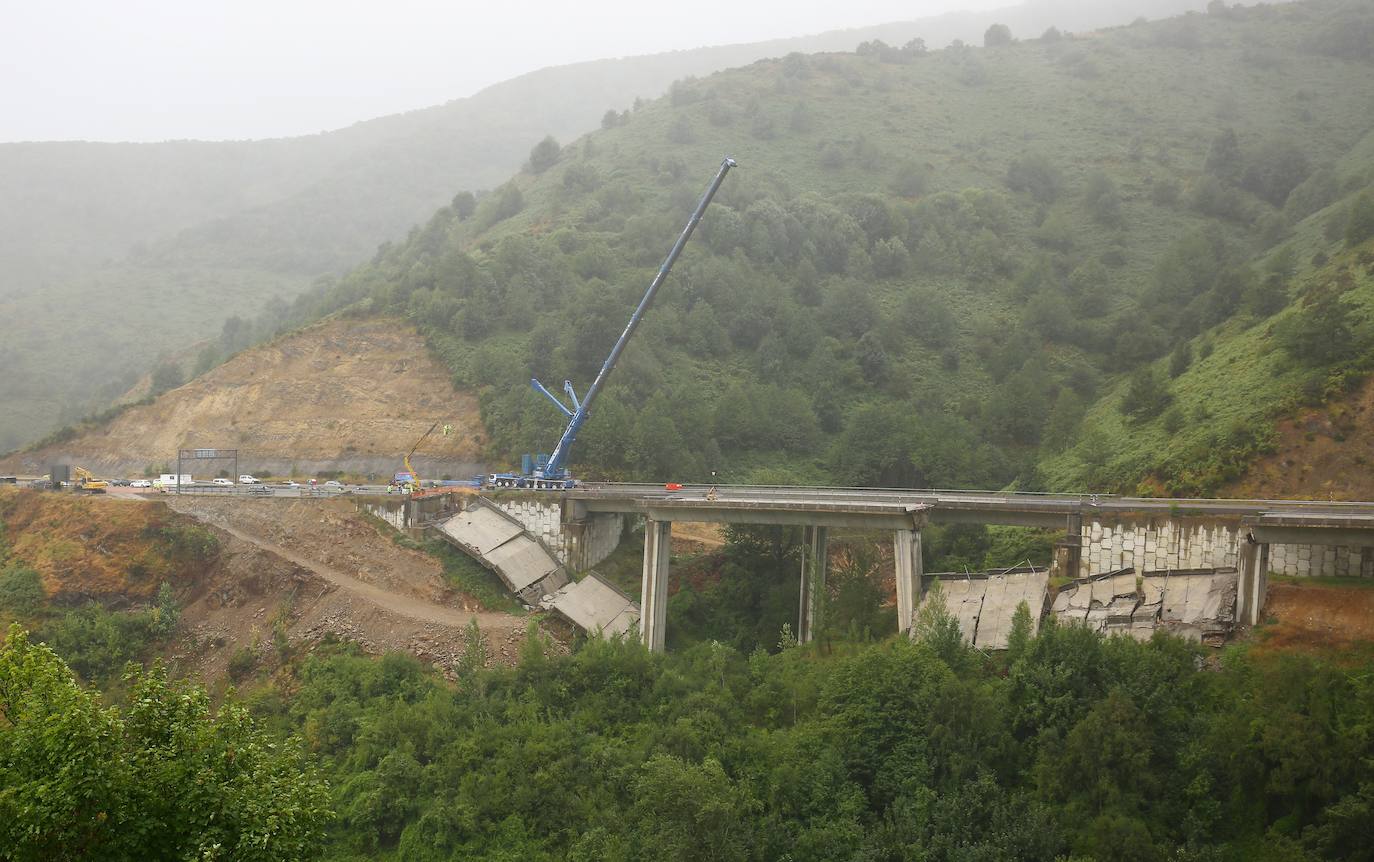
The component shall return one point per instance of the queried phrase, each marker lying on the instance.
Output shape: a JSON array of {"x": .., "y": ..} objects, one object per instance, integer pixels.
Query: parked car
[
  {"x": 223, "y": 483},
  {"x": 246, "y": 479},
  {"x": 140, "y": 483},
  {"x": 120, "y": 483}
]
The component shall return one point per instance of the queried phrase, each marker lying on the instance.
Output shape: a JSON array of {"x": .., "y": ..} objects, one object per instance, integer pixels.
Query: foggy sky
[{"x": 143, "y": 70}]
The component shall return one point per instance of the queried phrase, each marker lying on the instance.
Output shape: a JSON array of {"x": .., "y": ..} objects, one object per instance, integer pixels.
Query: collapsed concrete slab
[
  {"x": 1198, "y": 604},
  {"x": 595, "y": 605},
  {"x": 531, "y": 571},
  {"x": 499, "y": 542},
  {"x": 985, "y": 602}
]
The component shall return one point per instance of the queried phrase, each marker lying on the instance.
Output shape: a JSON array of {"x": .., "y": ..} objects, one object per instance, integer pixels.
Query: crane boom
[{"x": 554, "y": 468}]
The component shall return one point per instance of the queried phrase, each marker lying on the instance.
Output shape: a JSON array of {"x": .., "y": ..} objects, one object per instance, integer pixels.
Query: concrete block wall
[
  {"x": 542, "y": 519},
  {"x": 394, "y": 512},
  {"x": 1158, "y": 545},
  {"x": 1170, "y": 544},
  {"x": 1305, "y": 560},
  {"x": 579, "y": 545}
]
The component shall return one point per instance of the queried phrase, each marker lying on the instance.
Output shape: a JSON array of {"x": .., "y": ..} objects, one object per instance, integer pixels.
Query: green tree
[
  {"x": 21, "y": 591},
  {"x": 1180, "y": 358},
  {"x": 997, "y": 36},
  {"x": 1018, "y": 640},
  {"x": 464, "y": 205},
  {"x": 936, "y": 627},
  {"x": 166, "y": 780},
  {"x": 544, "y": 155},
  {"x": 1037, "y": 176},
  {"x": 1224, "y": 159},
  {"x": 167, "y": 376},
  {"x": 1322, "y": 333},
  {"x": 1360, "y": 226},
  {"x": 1146, "y": 396}
]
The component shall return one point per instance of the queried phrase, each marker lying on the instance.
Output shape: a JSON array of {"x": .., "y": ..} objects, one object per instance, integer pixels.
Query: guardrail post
[{"x": 653, "y": 601}]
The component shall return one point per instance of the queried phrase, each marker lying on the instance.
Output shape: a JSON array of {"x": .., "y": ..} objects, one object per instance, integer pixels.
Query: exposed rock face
[{"x": 349, "y": 395}]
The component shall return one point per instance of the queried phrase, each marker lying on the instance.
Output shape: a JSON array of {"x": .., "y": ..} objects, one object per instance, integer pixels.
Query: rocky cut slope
[{"x": 348, "y": 395}]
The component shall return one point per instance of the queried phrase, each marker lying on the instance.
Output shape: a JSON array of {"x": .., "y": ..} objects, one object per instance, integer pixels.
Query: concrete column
[
  {"x": 815, "y": 546},
  {"x": 1262, "y": 583},
  {"x": 907, "y": 554},
  {"x": 1246, "y": 562},
  {"x": 653, "y": 597},
  {"x": 1068, "y": 551},
  {"x": 1249, "y": 583}
]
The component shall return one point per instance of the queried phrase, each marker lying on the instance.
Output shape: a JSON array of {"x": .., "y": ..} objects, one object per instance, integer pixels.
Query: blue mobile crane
[{"x": 549, "y": 472}]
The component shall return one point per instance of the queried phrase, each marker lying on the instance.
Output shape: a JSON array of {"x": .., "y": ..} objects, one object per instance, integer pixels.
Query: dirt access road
[{"x": 325, "y": 569}]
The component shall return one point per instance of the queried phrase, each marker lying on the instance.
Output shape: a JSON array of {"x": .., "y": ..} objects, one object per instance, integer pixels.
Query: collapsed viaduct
[{"x": 1099, "y": 533}]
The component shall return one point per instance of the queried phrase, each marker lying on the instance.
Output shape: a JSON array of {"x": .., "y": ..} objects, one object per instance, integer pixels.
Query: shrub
[
  {"x": 997, "y": 36},
  {"x": 1037, "y": 176},
  {"x": 1360, "y": 224},
  {"x": 21, "y": 591},
  {"x": 242, "y": 663}
]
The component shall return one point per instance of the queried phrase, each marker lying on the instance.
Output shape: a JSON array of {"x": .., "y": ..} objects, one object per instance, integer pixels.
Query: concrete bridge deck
[
  {"x": 1102, "y": 532},
  {"x": 951, "y": 506}
]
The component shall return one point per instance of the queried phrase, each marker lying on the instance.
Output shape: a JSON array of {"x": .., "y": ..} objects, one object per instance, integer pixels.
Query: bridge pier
[
  {"x": 815, "y": 550},
  {"x": 907, "y": 555},
  {"x": 653, "y": 600},
  {"x": 1068, "y": 551},
  {"x": 1253, "y": 580}
]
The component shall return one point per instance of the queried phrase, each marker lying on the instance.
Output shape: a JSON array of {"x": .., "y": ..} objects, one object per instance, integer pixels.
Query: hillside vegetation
[
  {"x": 116, "y": 255},
  {"x": 963, "y": 267}
]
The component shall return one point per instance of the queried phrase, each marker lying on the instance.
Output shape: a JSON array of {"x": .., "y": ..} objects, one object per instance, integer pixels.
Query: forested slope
[
  {"x": 942, "y": 268},
  {"x": 112, "y": 254}
]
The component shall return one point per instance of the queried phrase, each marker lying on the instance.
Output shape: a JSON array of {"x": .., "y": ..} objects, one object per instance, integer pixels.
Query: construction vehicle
[
  {"x": 86, "y": 481},
  {"x": 549, "y": 472},
  {"x": 408, "y": 481}
]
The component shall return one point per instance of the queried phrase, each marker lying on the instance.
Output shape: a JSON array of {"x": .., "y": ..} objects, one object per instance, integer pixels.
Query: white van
[
  {"x": 246, "y": 479},
  {"x": 171, "y": 480}
]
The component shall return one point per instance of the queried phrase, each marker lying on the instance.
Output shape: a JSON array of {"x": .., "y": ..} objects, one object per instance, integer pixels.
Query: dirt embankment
[
  {"x": 331, "y": 571},
  {"x": 353, "y": 395},
  {"x": 1312, "y": 615},
  {"x": 94, "y": 548},
  {"x": 1324, "y": 453},
  {"x": 304, "y": 568}
]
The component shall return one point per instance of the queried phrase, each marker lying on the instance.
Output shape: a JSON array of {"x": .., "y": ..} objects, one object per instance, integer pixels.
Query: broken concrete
[
  {"x": 595, "y": 605},
  {"x": 1197, "y": 604},
  {"x": 533, "y": 572},
  {"x": 499, "y": 542},
  {"x": 985, "y": 602}
]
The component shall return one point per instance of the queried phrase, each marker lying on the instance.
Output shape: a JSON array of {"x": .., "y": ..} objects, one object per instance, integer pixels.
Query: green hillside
[
  {"x": 930, "y": 267},
  {"x": 112, "y": 254}
]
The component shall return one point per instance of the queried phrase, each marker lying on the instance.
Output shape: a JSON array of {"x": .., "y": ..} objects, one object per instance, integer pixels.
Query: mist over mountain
[{"x": 135, "y": 251}]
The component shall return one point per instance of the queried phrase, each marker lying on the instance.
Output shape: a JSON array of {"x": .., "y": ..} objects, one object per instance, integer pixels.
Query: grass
[
  {"x": 462, "y": 572},
  {"x": 470, "y": 577}
]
